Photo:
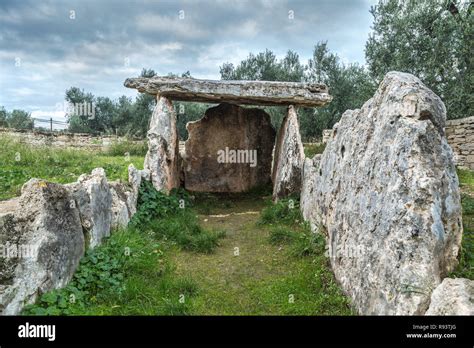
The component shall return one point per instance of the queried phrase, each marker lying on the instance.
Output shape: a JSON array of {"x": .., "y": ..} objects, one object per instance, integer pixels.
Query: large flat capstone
[
  {"x": 229, "y": 150},
  {"x": 236, "y": 92}
]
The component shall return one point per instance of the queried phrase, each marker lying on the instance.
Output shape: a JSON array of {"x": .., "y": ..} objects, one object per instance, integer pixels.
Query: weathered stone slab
[
  {"x": 237, "y": 92},
  {"x": 309, "y": 175},
  {"x": 229, "y": 150},
  {"x": 288, "y": 157},
  {"x": 162, "y": 158},
  {"x": 453, "y": 297},
  {"x": 135, "y": 178},
  {"x": 94, "y": 200},
  {"x": 386, "y": 194},
  {"x": 42, "y": 242},
  {"x": 121, "y": 208}
]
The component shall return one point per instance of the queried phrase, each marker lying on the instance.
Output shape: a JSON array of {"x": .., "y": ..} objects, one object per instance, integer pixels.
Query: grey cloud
[{"x": 91, "y": 50}]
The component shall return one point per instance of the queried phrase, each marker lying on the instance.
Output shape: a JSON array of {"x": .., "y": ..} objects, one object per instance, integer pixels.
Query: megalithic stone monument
[{"x": 248, "y": 137}]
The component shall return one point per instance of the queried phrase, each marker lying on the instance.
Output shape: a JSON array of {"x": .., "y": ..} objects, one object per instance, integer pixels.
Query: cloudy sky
[{"x": 49, "y": 46}]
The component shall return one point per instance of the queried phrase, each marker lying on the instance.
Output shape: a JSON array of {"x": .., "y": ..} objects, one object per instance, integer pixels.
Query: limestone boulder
[
  {"x": 309, "y": 176},
  {"x": 41, "y": 242},
  {"x": 135, "y": 178},
  {"x": 229, "y": 150},
  {"x": 162, "y": 158},
  {"x": 92, "y": 195},
  {"x": 386, "y": 195},
  {"x": 288, "y": 157},
  {"x": 121, "y": 212},
  {"x": 453, "y": 297}
]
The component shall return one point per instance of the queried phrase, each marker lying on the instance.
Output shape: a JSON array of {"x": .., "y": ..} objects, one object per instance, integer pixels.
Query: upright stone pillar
[
  {"x": 162, "y": 158},
  {"x": 288, "y": 157}
]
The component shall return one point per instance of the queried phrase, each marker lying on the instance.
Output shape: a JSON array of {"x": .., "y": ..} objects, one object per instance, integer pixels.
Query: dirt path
[{"x": 246, "y": 274}]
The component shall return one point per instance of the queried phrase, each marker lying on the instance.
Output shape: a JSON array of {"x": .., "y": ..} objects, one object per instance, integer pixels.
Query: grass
[
  {"x": 465, "y": 269},
  {"x": 205, "y": 202},
  {"x": 21, "y": 162},
  {"x": 169, "y": 218},
  {"x": 268, "y": 264},
  {"x": 283, "y": 212},
  {"x": 124, "y": 147},
  {"x": 130, "y": 273},
  {"x": 127, "y": 275},
  {"x": 312, "y": 149},
  {"x": 175, "y": 259}
]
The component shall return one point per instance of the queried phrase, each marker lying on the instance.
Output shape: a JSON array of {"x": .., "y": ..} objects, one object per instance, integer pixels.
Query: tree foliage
[
  {"x": 3, "y": 117},
  {"x": 17, "y": 119},
  {"x": 350, "y": 85},
  {"x": 265, "y": 67},
  {"x": 431, "y": 39},
  {"x": 121, "y": 116}
]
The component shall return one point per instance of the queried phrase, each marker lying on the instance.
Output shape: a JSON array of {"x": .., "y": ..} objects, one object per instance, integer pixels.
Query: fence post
[{"x": 51, "y": 124}]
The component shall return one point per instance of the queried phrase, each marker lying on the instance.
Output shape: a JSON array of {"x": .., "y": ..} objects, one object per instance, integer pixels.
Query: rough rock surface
[
  {"x": 237, "y": 92},
  {"x": 209, "y": 165},
  {"x": 453, "y": 297},
  {"x": 309, "y": 176},
  {"x": 288, "y": 158},
  {"x": 162, "y": 158},
  {"x": 135, "y": 178},
  {"x": 387, "y": 197},
  {"x": 94, "y": 200},
  {"x": 121, "y": 208},
  {"x": 125, "y": 196},
  {"x": 45, "y": 230}
]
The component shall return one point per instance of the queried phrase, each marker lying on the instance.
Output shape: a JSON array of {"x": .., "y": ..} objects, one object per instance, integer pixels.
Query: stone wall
[
  {"x": 60, "y": 139},
  {"x": 460, "y": 134}
]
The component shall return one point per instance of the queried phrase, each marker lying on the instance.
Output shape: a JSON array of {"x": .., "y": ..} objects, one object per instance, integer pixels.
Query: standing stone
[
  {"x": 288, "y": 157},
  {"x": 229, "y": 150},
  {"x": 386, "y": 195},
  {"x": 42, "y": 242},
  {"x": 162, "y": 158},
  {"x": 94, "y": 200},
  {"x": 309, "y": 177},
  {"x": 453, "y": 297}
]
